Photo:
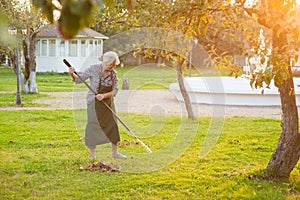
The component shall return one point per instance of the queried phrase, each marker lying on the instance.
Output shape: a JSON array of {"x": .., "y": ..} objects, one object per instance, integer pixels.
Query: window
[
  {"x": 99, "y": 47},
  {"x": 62, "y": 48},
  {"x": 52, "y": 49},
  {"x": 91, "y": 47},
  {"x": 83, "y": 48},
  {"x": 95, "y": 53},
  {"x": 73, "y": 48},
  {"x": 44, "y": 48},
  {"x": 38, "y": 48}
]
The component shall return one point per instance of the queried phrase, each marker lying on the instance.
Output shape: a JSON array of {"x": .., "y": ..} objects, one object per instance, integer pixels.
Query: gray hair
[{"x": 109, "y": 57}]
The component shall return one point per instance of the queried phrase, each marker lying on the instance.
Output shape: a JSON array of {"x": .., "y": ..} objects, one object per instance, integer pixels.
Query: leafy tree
[
  {"x": 147, "y": 18},
  {"x": 282, "y": 19}
]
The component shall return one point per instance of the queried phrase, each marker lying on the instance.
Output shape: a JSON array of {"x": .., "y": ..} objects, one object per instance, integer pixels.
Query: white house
[{"x": 51, "y": 49}]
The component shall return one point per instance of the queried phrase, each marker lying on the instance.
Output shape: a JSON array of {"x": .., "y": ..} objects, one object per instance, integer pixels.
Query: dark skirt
[{"x": 94, "y": 135}]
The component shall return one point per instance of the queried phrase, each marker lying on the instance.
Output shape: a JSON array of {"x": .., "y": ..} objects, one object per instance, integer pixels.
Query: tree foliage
[{"x": 73, "y": 15}]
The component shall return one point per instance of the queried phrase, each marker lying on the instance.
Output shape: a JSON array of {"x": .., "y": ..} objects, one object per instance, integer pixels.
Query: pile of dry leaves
[
  {"x": 99, "y": 166},
  {"x": 128, "y": 143}
]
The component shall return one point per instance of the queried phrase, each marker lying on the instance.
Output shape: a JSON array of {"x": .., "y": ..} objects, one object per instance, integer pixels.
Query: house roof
[{"x": 52, "y": 31}]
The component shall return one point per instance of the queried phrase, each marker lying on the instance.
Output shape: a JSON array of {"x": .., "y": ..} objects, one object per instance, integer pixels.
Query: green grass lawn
[{"x": 41, "y": 152}]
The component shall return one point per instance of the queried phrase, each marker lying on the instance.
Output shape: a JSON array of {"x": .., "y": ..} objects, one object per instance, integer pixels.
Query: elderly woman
[{"x": 101, "y": 126}]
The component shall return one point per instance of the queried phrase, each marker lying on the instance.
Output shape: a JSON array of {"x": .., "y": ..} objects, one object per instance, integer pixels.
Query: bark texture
[
  {"x": 28, "y": 80},
  {"x": 183, "y": 91}
]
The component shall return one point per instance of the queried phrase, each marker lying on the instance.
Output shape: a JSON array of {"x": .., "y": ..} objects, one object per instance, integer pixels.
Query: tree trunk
[
  {"x": 12, "y": 56},
  {"x": 28, "y": 81},
  {"x": 24, "y": 85},
  {"x": 32, "y": 48},
  {"x": 33, "y": 88},
  {"x": 183, "y": 91},
  {"x": 27, "y": 60},
  {"x": 159, "y": 61},
  {"x": 24, "y": 78},
  {"x": 287, "y": 152}
]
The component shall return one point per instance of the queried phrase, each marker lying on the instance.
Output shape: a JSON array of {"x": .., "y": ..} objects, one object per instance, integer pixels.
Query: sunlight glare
[{"x": 250, "y": 2}]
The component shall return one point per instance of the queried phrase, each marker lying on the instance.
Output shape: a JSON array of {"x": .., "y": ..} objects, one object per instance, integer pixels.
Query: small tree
[
  {"x": 24, "y": 16},
  {"x": 282, "y": 18}
]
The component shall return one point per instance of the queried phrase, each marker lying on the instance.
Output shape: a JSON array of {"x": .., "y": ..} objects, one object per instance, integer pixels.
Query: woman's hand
[
  {"x": 71, "y": 70},
  {"x": 100, "y": 97}
]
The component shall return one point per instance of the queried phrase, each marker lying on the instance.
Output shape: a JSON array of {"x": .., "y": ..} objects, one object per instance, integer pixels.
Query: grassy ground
[{"x": 41, "y": 153}]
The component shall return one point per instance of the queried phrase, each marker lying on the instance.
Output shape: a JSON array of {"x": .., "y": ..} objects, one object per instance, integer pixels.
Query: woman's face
[{"x": 111, "y": 66}]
